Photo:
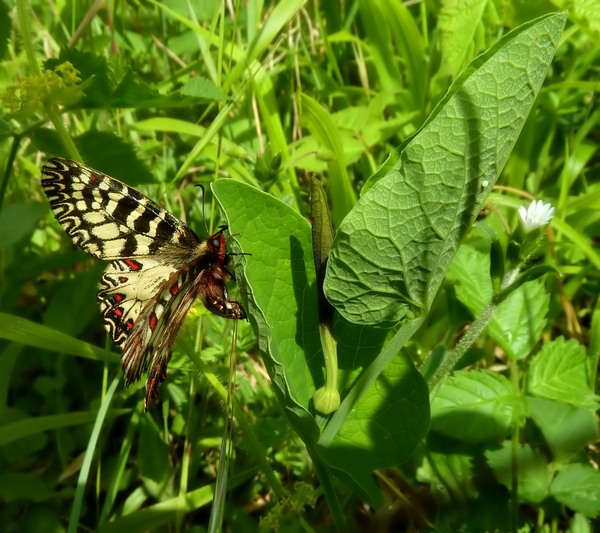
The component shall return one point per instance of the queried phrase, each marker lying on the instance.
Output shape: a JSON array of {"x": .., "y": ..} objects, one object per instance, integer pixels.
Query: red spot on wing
[
  {"x": 118, "y": 312},
  {"x": 122, "y": 279},
  {"x": 118, "y": 297},
  {"x": 129, "y": 324},
  {"x": 153, "y": 321},
  {"x": 133, "y": 265},
  {"x": 174, "y": 289}
]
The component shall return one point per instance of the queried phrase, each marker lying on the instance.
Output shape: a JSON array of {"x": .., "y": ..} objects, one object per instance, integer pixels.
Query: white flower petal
[{"x": 537, "y": 215}]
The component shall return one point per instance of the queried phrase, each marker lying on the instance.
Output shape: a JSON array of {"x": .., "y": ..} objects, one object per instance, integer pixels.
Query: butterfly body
[{"x": 159, "y": 266}]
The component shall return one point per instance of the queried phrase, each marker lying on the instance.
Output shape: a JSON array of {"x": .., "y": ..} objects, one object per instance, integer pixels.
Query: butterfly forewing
[
  {"x": 109, "y": 219},
  {"x": 159, "y": 265}
]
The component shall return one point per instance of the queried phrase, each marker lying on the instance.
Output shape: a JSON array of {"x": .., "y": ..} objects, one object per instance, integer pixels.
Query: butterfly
[{"x": 159, "y": 266}]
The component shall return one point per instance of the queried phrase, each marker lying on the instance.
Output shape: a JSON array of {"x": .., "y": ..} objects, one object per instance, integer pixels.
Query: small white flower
[{"x": 537, "y": 215}]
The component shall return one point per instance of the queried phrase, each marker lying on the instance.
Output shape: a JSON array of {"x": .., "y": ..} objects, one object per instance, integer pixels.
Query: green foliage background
[{"x": 386, "y": 104}]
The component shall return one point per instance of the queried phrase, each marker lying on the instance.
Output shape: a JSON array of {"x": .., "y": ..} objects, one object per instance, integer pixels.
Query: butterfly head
[{"x": 217, "y": 246}]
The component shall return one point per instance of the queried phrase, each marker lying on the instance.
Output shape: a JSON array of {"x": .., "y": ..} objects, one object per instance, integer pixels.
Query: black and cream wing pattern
[{"x": 159, "y": 266}]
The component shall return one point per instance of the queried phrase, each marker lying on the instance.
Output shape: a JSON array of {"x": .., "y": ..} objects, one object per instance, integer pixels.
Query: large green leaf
[
  {"x": 392, "y": 251},
  {"x": 18, "y": 220},
  {"x": 279, "y": 280},
  {"x": 390, "y": 414}
]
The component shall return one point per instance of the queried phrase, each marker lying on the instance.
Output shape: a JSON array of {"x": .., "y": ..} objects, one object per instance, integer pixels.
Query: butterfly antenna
[{"x": 203, "y": 207}]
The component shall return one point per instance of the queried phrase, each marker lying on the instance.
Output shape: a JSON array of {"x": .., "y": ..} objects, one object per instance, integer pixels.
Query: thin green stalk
[
  {"x": 217, "y": 511},
  {"x": 331, "y": 364},
  {"x": 192, "y": 417},
  {"x": 185, "y": 462},
  {"x": 66, "y": 139},
  {"x": 514, "y": 466},
  {"x": 463, "y": 345},
  {"x": 476, "y": 329},
  {"x": 25, "y": 27},
  {"x": 327, "y": 398},
  {"x": 333, "y": 502},
  {"x": 368, "y": 377},
  {"x": 9, "y": 163},
  {"x": 121, "y": 464},
  {"x": 89, "y": 455},
  {"x": 594, "y": 349},
  {"x": 250, "y": 438}
]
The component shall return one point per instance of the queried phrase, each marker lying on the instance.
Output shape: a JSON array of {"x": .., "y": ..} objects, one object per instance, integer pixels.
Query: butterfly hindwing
[
  {"x": 159, "y": 266},
  {"x": 126, "y": 288},
  {"x": 176, "y": 299},
  {"x": 148, "y": 345},
  {"x": 148, "y": 340}
]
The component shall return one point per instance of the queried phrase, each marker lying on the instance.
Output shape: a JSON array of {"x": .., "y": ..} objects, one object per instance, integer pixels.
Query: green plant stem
[
  {"x": 327, "y": 398},
  {"x": 66, "y": 139},
  {"x": 89, "y": 455},
  {"x": 368, "y": 377},
  {"x": 514, "y": 466},
  {"x": 217, "y": 511},
  {"x": 24, "y": 25},
  {"x": 463, "y": 345},
  {"x": 251, "y": 440},
  {"x": 121, "y": 465},
  {"x": 594, "y": 350},
  {"x": 331, "y": 363},
  {"x": 333, "y": 502},
  {"x": 185, "y": 462},
  {"x": 9, "y": 163},
  {"x": 509, "y": 285}
]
